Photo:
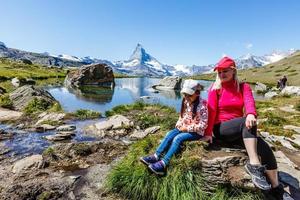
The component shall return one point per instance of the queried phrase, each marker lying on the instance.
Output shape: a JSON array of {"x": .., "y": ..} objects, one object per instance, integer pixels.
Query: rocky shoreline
[{"x": 74, "y": 169}]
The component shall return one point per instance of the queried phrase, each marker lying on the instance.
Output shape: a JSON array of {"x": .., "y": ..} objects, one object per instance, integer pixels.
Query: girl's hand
[
  {"x": 250, "y": 121},
  {"x": 183, "y": 129},
  {"x": 207, "y": 139}
]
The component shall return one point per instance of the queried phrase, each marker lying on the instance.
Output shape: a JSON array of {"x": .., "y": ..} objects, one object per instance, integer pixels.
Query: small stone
[{"x": 69, "y": 127}]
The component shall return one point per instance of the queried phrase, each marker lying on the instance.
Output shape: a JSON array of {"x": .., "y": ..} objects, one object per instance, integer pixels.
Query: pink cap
[{"x": 224, "y": 63}]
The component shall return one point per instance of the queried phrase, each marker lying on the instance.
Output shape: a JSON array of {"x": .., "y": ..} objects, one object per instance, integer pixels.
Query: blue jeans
[{"x": 174, "y": 138}]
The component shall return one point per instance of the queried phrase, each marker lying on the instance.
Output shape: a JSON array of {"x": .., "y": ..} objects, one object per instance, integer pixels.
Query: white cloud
[{"x": 249, "y": 45}]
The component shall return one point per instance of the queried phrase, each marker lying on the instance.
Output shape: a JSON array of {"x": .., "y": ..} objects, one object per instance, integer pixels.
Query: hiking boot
[
  {"x": 278, "y": 193},
  {"x": 257, "y": 173},
  {"x": 147, "y": 160},
  {"x": 158, "y": 167}
]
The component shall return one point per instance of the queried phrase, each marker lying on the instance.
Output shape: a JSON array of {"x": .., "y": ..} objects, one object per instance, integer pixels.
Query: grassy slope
[
  {"x": 10, "y": 69},
  {"x": 43, "y": 75},
  {"x": 269, "y": 74}
]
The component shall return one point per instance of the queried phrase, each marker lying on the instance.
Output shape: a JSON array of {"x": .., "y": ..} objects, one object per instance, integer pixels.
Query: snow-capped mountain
[
  {"x": 142, "y": 63},
  {"x": 249, "y": 60}
]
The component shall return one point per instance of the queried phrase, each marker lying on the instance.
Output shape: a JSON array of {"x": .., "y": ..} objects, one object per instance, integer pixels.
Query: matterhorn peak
[{"x": 140, "y": 54}]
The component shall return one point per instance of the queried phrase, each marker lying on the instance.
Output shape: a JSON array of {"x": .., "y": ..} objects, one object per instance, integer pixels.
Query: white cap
[{"x": 190, "y": 86}]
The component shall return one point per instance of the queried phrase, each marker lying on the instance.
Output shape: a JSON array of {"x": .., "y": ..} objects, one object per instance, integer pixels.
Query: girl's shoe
[
  {"x": 158, "y": 168},
  {"x": 147, "y": 160}
]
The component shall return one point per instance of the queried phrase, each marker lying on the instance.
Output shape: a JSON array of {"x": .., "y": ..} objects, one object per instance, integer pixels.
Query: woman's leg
[
  {"x": 235, "y": 130},
  {"x": 166, "y": 141},
  {"x": 177, "y": 141},
  {"x": 268, "y": 159}
]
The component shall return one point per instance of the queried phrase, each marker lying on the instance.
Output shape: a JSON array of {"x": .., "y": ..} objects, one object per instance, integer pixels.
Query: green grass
[
  {"x": 38, "y": 105},
  {"x": 86, "y": 114},
  {"x": 147, "y": 115},
  {"x": 184, "y": 180},
  {"x": 5, "y": 101},
  {"x": 10, "y": 69},
  {"x": 297, "y": 106},
  {"x": 277, "y": 118}
]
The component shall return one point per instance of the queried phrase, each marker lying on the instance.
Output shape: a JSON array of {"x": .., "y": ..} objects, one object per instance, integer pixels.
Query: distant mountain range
[{"x": 140, "y": 62}]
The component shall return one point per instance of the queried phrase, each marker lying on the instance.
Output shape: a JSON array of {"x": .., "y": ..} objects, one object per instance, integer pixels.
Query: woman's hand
[
  {"x": 250, "y": 121},
  {"x": 207, "y": 139}
]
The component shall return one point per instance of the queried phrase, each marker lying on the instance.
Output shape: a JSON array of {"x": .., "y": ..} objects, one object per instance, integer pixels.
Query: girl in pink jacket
[{"x": 190, "y": 126}]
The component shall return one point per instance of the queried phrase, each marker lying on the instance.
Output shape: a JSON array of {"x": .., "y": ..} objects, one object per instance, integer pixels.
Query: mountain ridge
[{"x": 139, "y": 63}]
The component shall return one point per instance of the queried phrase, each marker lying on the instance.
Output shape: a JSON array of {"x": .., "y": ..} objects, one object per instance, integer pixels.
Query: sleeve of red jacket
[
  {"x": 248, "y": 100},
  {"x": 212, "y": 111}
]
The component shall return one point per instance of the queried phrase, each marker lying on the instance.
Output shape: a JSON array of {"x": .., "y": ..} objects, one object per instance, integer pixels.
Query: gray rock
[
  {"x": 60, "y": 136},
  {"x": 69, "y": 127},
  {"x": 275, "y": 138},
  {"x": 4, "y": 135},
  {"x": 44, "y": 127},
  {"x": 23, "y": 95},
  {"x": 225, "y": 169},
  {"x": 291, "y": 90},
  {"x": 139, "y": 134},
  {"x": 50, "y": 117},
  {"x": 169, "y": 83},
  {"x": 96, "y": 74},
  {"x": 6, "y": 114},
  {"x": 292, "y": 127},
  {"x": 34, "y": 161},
  {"x": 270, "y": 95},
  {"x": 260, "y": 88},
  {"x": 116, "y": 126},
  {"x": 289, "y": 108},
  {"x": 15, "y": 82},
  {"x": 114, "y": 122}
]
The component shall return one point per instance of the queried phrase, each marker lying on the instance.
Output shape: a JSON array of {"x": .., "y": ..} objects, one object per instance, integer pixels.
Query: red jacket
[{"x": 228, "y": 103}]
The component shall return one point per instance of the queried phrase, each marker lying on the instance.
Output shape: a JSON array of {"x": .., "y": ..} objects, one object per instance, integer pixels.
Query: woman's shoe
[{"x": 257, "y": 173}]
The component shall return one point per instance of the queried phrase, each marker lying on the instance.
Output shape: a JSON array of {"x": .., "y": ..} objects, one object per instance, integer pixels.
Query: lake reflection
[{"x": 126, "y": 91}]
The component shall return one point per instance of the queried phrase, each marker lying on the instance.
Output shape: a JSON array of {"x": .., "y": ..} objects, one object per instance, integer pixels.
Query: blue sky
[{"x": 175, "y": 32}]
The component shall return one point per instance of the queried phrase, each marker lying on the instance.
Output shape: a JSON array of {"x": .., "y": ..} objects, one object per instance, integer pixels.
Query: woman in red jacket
[{"x": 232, "y": 118}]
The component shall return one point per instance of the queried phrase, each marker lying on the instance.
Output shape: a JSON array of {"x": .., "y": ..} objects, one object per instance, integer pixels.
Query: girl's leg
[
  {"x": 166, "y": 141},
  {"x": 177, "y": 141}
]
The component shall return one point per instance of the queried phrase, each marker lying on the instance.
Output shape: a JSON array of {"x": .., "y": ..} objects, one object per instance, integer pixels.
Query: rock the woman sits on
[{"x": 190, "y": 126}]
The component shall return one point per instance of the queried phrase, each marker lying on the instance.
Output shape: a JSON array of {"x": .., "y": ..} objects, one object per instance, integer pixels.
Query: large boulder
[
  {"x": 23, "y": 95},
  {"x": 116, "y": 126},
  {"x": 291, "y": 90},
  {"x": 95, "y": 74},
  {"x": 169, "y": 83},
  {"x": 260, "y": 88},
  {"x": 270, "y": 95}
]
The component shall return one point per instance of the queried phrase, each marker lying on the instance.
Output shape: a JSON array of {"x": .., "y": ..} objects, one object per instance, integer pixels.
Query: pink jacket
[
  {"x": 227, "y": 103},
  {"x": 199, "y": 123}
]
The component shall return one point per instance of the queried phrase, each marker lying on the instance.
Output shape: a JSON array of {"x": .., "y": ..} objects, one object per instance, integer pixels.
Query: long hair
[
  {"x": 194, "y": 103},
  {"x": 217, "y": 84}
]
